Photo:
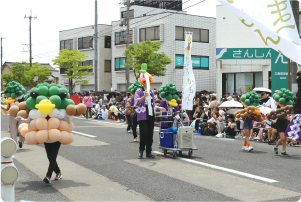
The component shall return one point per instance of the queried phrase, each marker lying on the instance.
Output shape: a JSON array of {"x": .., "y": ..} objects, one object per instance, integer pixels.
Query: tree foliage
[
  {"x": 69, "y": 61},
  {"x": 24, "y": 73},
  {"x": 145, "y": 52}
]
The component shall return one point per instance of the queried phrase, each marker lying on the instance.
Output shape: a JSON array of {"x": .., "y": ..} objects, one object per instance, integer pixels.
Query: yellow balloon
[
  {"x": 45, "y": 106},
  {"x": 173, "y": 103}
]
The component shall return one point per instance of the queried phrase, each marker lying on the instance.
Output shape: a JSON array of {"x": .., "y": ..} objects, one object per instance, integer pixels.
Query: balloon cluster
[
  {"x": 129, "y": 108},
  {"x": 14, "y": 90},
  {"x": 169, "y": 91},
  {"x": 280, "y": 113},
  {"x": 135, "y": 86},
  {"x": 250, "y": 98},
  {"x": 284, "y": 97},
  {"x": 250, "y": 111}
]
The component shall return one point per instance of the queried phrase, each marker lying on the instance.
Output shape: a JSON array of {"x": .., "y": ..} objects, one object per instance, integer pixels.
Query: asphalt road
[{"x": 103, "y": 166}]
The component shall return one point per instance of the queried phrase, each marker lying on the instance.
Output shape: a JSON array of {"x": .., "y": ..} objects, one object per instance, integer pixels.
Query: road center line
[
  {"x": 223, "y": 169},
  {"x": 84, "y": 134}
]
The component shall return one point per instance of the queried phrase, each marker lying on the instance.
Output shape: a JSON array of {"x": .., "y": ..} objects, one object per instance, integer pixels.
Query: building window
[
  {"x": 85, "y": 42},
  {"x": 151, "y": 33},
  {"x": 107, "y": 41},
  {"x": 198, "y": 62},
  {"x": 63, "y": 71},
  {"x": 120, "y": 37},
  {"x": 131, "y": 14},
  {"x": 119, "y": 62},
  {"x": 199, "y": 35},
  {"x": 241, "y": 83},
  {"x": 107, "y": 65},
  {"x": 86, "y": 63},
  {"x": 66, "y": 44}
]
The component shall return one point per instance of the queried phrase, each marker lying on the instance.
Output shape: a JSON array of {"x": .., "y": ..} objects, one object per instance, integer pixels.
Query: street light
[{"x": 9, "y": 173}]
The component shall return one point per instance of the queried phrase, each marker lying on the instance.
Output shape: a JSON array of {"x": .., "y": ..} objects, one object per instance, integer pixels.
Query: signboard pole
[{"x": 289, "y": 73}]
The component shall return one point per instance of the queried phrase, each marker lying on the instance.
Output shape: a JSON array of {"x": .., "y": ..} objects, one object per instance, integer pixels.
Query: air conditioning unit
[{"x": 185, "y": 137}]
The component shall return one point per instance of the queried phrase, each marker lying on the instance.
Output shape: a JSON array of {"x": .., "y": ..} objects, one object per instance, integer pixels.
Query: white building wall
[{"x": 205, "y": 78}]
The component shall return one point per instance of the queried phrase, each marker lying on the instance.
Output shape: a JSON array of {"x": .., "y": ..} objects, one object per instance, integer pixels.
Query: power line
[{"x": 30, "y": 50}]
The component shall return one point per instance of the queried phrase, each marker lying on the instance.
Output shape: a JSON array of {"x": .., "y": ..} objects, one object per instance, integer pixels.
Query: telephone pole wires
[
  {"x": 95, "y": 48},
  {"x": 30, "y": 49}
]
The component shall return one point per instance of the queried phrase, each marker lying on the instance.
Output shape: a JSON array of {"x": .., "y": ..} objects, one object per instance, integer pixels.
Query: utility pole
[
  {"x": 30, "y": 50},
  {"x": 95, "y": 48},
  {"x": 127, "y": 72},
  {"x": 1, "y": 61},
  {"x": 295, "y": 8}
]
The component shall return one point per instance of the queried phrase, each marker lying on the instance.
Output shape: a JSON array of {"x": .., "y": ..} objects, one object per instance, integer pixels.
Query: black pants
[
  {"x": 88, "y": 110},
  {"x": 134, "y": 127},
  {"x": 146, "y": 134},
  {"x": 197, "y": 123},
  {"x": 130, "y": 122},
  {"x": 52, "y": 150}
]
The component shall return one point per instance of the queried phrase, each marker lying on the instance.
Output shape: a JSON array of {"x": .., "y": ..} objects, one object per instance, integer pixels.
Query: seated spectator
[
  {"x": 212, "y": 124},
  {"x": 206, "y": 115},
  {"x": 230, "y": 128},
  {"x": 197, "y": 114},
  {"x": 97, "y": 108},
  {"x": 105, "y": 112},
  {"x": 113, "y": 111},
  {"x": 214, "y": 102},
  {"x": 220, "y": 123},
  {"x": 235, "y": 98}
]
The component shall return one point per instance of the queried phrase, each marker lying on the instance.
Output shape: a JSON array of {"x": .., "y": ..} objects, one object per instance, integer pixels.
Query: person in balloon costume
[
  {"x": 14, "y": 92},
  {"x": 46, "y": 115},
  {"x": 146, "y": 108}
]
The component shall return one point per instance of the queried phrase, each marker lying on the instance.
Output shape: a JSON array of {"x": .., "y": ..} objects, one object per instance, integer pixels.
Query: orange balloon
[
  {"x": 22, "y": 125},
  {"x": 13, "y": 110},
  {"x": 53, "y": 123},
  {"x": 55, "y": 135},
  {"x": 22, "y": 106},
  {"x": 32, "y": 125},
  {"x": 42, "y": 136},
  {"x": 41, "y": 124},
  {"x": 24, "y": 131},
  {"x": 63, "y": 125},
  {"x": 23, "y": 114},
  {"x": 31, "y": 137},
  {"x": 71, "y": 127},
  {"x": 71, "y": 110},
  {"x": 81, "y": 108},
  {"x": 71, "y": 138},
  {"x": 65, "y": 137}
]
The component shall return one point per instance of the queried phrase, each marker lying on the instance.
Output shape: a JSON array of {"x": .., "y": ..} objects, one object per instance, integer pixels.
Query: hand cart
[{"x": 175, "y": 150}]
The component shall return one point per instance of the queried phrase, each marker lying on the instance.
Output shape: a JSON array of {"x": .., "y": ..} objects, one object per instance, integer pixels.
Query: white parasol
[
  {"x": 231, "y": 104},
  {"x": 261, "y": 89}
]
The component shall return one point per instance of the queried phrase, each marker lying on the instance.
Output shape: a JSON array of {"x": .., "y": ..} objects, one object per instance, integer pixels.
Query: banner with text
[
  {"x": 188, "y": 91},
  {"x": 272, "y": 21}
]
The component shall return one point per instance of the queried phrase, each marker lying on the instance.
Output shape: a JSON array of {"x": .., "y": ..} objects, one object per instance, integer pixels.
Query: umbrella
[
  {"x": 265, "y": 110},
  {"x": 231, "y": 104},
  {"x": 261, "y": 89},
  {"x": 232, "y": 111}
]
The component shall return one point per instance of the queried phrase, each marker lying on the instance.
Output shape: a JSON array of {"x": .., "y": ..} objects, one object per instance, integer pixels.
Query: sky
[{"x": 57, "y": 15}]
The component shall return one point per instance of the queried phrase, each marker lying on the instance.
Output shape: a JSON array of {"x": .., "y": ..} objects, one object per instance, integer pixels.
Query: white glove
[
  {"x": 60, "y": 116},
  {"x": 177, "y": 117},
  {"x": 19, "y": 119}
]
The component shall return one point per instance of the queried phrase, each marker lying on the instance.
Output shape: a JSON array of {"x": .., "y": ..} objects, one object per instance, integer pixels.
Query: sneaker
[
  {"x": 20, "y": 145},
  {"x": 276, "y": 150},
  {"x": 150, "y": 156},
  {"x": 129, "y": 131},
  {"x": 46, "y": 180},
  {"x": 245, "y": 148},
  {"x": 136, "y": 139},
  {"x": 284, "y": 153},
  {"x": 59, "y": 177},
  {"x": 250, "y": 148},
  {"x": 118, "y": 121},
  {"x": 219, "y": 135}
]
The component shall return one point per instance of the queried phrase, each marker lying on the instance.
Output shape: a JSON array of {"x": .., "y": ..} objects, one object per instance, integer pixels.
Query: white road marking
[
  {"x": 223, "y": 169},
  {"x": 84, "y": 134}
]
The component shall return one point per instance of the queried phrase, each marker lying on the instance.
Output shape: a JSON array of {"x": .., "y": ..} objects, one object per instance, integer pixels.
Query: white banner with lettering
[
  {"x": 188, "y": 91},
  {"x": 272, "y": 21}
]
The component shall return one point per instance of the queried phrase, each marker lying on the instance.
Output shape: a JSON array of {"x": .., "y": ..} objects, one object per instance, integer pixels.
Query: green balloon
[
  {"x": 23, "y": 90},
  {"x": 31, "y": 103},
  {"x": 59, "y": 86},
  {"x": 39, "y": 85},
  {"x": 63, "y": 89},
  {"x": 175, "y": 97},
  {"x": 247, "y": 102},
  {"x": 13, "y": 95},
  {"x": 277, "y": 97},
  {"x": 285, "y": 95},
  {"x": 39, "y": 98},
  {"x": 68, "y": 96},
  {"x": 169, "y": 97},
  {"x": 282, "y": 101},
  {"x": 34, "y": 89},
  {"x": 280, "y": 93},
  {"x": 64, "y": 104},
  {"x": 53, "y": 84},
  {"x": 55, "y": 99},
  {"x": 162, "y": 94},
  {"x": 256, "y": 96},
  {"x": 54, "y": 90},
  {"x": 248, "y": 95},
  {"x": 71, "y": 102},
  {"x": 8, "y": 95},
  {"x": 43, "y": 90},
  {"x": 290, "y": 102},
  {"x": 291, "y": 93},
  {"x": 243, "y": 98}
]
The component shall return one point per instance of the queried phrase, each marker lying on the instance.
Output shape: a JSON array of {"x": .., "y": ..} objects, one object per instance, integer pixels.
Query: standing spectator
[
  {"x": 196, "y": 103},
  {"x": 112, "y": 99},
  {"x": 228, "y": 97},
  {"x": 214, "y": 102},
  {"x": 88, "y": 102}
]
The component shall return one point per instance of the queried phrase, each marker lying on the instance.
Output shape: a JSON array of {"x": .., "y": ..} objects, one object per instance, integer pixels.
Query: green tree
[
  {"x": 144, "y": 52},
  {"x": 24, "y": 73},
  {"x": 69, "y": 60}
]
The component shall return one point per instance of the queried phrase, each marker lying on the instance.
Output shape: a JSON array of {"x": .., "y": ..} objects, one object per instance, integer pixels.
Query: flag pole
[{"x": 289, "y": 73}]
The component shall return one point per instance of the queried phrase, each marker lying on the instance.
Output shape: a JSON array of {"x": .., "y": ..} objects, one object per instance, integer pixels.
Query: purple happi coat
[
  {"x": 141, "y": 109},
  {"x": 293, "y": 130}
]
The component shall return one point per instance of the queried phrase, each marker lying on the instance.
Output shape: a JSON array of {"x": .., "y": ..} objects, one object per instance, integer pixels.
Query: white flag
[
  {"x": 272, "y": 21},
  {"x": 188, "y": 91}
]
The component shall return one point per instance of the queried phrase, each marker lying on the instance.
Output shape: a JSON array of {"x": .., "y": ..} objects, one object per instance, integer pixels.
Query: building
[
  {"x": 167, "y": 26},
  {"x": 244, "y": 61},
  {"x": 82, "y": 39},
  {"x": 53, "y": 78}
]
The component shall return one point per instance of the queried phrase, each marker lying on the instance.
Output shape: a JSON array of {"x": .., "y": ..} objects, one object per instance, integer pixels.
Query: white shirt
[
  {"x": 97, "y": 107},
  {"x": 148, "y": 102},
  {"x": 104, "y": 113}
]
